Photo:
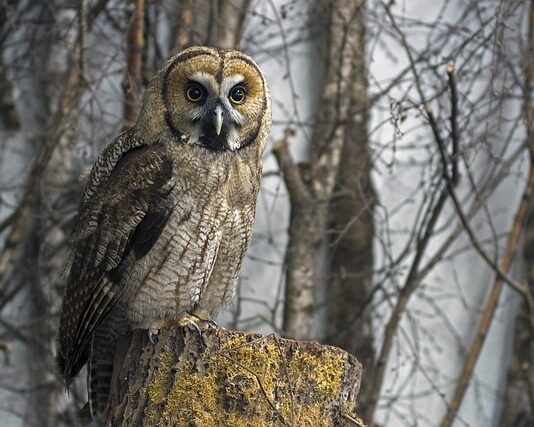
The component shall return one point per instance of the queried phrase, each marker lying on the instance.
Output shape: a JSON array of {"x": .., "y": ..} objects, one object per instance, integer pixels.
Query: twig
[
  {"x": 7, "y": 221},
  {"x": 454, "y": 125},
  {"x": 263, "y": 391},
  {"x": 357, "y": 421}
]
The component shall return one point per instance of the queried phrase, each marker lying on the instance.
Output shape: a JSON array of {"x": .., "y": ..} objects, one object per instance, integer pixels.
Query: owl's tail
[
  {"x": 99, "y": 372},
  {"x": 100, "y": 363}
]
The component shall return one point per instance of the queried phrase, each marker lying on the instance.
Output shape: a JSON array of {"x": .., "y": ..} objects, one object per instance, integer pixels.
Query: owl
[{"x": 167, "y": 212}]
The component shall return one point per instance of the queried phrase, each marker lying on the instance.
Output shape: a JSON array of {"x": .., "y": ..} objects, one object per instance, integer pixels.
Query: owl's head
[{"x": 213, "y": 98}]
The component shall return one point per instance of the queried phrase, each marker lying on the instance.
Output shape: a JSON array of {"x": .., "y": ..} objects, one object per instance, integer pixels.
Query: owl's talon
[
  {"x": 193, "y": 327},
  {"x": 210, "y": 322},
  {"x": 190, "y": 323},
  {"x": 152, "y": 335}
]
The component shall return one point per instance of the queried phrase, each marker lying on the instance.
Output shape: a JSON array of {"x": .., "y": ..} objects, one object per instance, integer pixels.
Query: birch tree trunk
[{"x": 339, "y": 120}]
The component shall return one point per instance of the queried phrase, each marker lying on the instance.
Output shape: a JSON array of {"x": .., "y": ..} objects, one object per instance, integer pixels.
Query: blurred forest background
[{"x": 394, "y": 219}]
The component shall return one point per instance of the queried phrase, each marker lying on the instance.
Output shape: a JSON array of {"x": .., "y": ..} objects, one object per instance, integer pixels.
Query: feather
[{"x": 117, "y": 225}]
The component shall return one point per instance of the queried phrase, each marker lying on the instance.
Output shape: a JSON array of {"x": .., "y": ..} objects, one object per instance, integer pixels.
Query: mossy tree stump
[{"x": 220, "y": 377}]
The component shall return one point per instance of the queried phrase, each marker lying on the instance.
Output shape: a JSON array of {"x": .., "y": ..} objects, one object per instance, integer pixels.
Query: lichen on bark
[{"x": 219, "y": 377}]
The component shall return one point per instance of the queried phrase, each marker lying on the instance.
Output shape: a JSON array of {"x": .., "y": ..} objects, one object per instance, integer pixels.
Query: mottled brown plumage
[{"x": 168, "y": 209}]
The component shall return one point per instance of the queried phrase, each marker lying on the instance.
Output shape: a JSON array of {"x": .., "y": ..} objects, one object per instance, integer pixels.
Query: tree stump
[{"x": 219, "y": 377}]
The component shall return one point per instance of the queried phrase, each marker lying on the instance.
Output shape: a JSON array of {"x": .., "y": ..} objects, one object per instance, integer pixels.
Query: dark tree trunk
[{"x": 351, "y": 222}]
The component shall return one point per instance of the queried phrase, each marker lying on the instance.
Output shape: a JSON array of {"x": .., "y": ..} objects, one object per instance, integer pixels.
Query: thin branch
[{"x": 454, "y": 125}]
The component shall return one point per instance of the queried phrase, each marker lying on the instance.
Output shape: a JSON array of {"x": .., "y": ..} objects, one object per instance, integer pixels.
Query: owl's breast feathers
[
  {"x": 117, "y": 224},
  {"x": 126, "y": 212}
]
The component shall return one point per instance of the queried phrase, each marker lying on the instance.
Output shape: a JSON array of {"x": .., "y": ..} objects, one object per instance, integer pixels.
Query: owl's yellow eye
[
  {"x": 194, "y": 93},
  {"x": 237, "y": 94}
]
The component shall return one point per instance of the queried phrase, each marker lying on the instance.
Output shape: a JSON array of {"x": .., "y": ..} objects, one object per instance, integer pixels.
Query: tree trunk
[
  {"x": 217, "y": 23},
  {"x": 311, "y": 188},
  {"x": 301, "y": 258},
  {"x": 351, "y": 222},
  {"x": 218, "y": 377}
]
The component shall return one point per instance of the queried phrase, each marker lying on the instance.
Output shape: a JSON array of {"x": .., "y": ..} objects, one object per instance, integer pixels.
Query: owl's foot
[
  {"x": 190, "y": 322},
  {"x": 204, "y": 317},
  {"x": 153, "y": 329},
  {"x": 152, "y": 335},
  {"x": 209, "y": 322}
]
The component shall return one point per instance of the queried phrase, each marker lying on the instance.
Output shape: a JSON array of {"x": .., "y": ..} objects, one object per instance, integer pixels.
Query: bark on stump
[{"x": 231, "y": 378}]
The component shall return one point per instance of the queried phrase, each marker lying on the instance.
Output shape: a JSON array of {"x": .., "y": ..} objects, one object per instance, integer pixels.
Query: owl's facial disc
[
  {"x": 214, "y": 99},
  {"x": 215, "y": 120}
]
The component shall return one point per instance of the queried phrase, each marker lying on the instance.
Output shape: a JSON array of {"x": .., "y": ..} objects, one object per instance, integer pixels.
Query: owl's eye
[
  {"x": 194, "y": 93},
  {"x": 237, "y": 94}
]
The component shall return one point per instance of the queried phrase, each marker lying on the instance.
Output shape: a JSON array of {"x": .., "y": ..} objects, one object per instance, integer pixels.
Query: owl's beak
[{"x": 218, "y": 119}]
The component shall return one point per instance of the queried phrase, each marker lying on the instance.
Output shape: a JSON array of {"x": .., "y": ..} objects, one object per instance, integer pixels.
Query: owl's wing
[{"x": 116, "y": 226}]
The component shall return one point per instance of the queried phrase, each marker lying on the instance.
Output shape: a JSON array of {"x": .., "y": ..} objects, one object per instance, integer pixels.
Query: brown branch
[
  {"x": 521, "y": 289},
  {"x": 134, "y": 60},
  {"x": 182, "y": 36},
  {"x": 474, "y": 209}
]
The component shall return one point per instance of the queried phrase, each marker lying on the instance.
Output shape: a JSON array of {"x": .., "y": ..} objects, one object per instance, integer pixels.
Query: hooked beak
[{"x": 218, "y": 119}]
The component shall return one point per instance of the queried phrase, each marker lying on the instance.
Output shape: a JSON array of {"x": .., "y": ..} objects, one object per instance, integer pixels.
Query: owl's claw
[
  {"x": 152, "y": 335},
  {"x": 211, "y": 322},
  {"x": 203, "y": 316},
  {"x": 190, "y": 323}
]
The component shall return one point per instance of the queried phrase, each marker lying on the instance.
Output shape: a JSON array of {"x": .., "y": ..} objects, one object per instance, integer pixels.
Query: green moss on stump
[{"x": 231, "y": 378}]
